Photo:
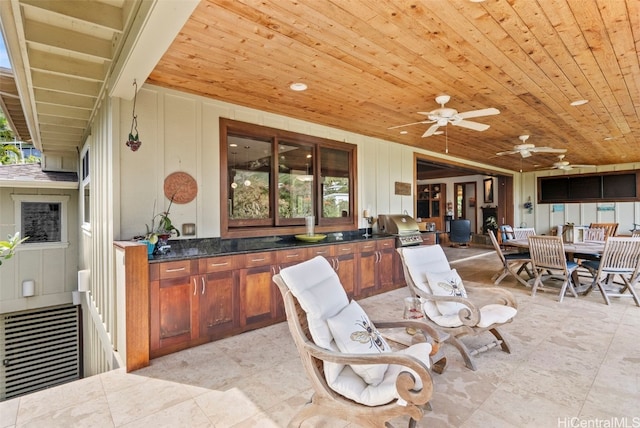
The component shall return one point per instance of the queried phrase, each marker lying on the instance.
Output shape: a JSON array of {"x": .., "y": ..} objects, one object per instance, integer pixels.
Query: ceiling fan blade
[
  {"x": 510, "y": 152},
  {"x": 478, "y": 113},
  {"x": 432, "y": 130},
  {"x": 583, "y": 166},
  {"x": 409, "y": 124},
  {"x": 471, "y": 125},
  {"x": 547, "y": 150}
]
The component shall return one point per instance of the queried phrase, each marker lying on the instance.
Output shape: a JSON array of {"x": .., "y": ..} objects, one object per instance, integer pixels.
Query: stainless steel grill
[{"x": 404, "y": 228}]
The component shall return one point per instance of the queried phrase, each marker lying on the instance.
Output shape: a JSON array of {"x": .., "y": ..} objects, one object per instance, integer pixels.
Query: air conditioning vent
[{"x": 41, "y": 349}]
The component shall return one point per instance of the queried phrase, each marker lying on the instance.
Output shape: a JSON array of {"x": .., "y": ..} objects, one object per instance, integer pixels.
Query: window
[
  {"x": 272, "y": 179},
  {"x": 599, "y": 187},
  {"x": 43, "y": 219},
  {"x": 85, "y": 189}
]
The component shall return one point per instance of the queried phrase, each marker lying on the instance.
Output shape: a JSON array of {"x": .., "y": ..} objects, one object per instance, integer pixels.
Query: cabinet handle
[
  {"x": 337, "y": 268},
  {"x": 175, "y": 269},
  {"x": 258, "y": 260},
  {"x": 195, "y": 287},
  {"x": 345, "y": 249},
  {"x": 318, "y": 253},
  {"x": 290, "y": 256},
  {"x": 203, "y": 284},
  {"x": 219, "y": 264}
]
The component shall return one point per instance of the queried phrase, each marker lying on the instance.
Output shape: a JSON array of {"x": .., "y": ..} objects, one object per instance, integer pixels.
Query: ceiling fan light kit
[{"x": 527, "y": 149}]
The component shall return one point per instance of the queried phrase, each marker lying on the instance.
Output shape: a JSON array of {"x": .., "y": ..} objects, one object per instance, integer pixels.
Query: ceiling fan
[
  {"x": 444, "y": 115},
  {"x": 527, "y": 149},
  {"x": 566, "y": 165}
]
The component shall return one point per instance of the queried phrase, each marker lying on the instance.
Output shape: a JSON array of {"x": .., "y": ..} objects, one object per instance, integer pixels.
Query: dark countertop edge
[{"x": 258, "y": 245}]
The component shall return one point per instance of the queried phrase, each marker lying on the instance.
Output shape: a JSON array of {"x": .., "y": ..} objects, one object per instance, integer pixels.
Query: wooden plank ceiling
[{"x": 371, "y": 65}]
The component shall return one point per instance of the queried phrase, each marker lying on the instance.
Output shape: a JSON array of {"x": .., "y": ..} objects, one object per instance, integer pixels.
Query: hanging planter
[
  {"x": 134, "y": 142},
  {"x": 529, "y": 206}
]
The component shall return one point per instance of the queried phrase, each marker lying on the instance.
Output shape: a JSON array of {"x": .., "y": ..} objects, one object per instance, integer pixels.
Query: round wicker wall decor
[{"x": 181, "y": 187}]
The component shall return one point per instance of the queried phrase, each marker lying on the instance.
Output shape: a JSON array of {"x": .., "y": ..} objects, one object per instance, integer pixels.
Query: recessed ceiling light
[
  {"x": 404, "y": 132},
  {"x": 298, "y": 86},
  {"x": 579, "y": 102},
  {"x": 233, "y": 145},
  {"x": 609, "y": 138}
]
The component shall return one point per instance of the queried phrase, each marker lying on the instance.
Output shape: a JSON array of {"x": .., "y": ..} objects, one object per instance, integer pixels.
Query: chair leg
[
  {"x": 464, "y": 351},
  {"x": 503, "y": 343},
  {"x": 603, "y": 291}
]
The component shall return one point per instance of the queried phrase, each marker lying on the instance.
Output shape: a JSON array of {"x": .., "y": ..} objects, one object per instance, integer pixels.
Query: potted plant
[{"x": 160, "y": 230}]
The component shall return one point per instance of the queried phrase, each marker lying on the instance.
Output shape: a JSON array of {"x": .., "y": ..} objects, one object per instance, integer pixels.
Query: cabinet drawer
[
  {"x": 292, "y": 256},
  {"x": 324, "y": 251},
  {"x": 216, "y": 264},
  {"x": 345, "y": 249},
  {"x": 428, "y": 239},
  {"x": 385, "y": 244},
  {"x": 366, "y": 247},
  {"x": 259, "y": 259},
  {"x": 175, "y": 269}
]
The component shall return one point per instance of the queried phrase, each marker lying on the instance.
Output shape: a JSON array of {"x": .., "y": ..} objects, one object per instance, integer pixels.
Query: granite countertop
[{"x": 182, "y": 249}]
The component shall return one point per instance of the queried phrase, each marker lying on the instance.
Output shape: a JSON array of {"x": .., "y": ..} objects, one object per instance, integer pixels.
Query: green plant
[
  {"x": 7, "y": 248},
  {"x": 161, "y": 225}
]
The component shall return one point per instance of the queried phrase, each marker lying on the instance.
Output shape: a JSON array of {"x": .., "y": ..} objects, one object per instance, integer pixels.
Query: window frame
[
  {"x": 284, "y": 226},
  {"x": 64, "y": 229},
  {"x": 85, "y": 182}
]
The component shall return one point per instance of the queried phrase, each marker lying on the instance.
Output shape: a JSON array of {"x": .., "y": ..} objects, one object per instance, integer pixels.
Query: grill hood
[{"x": 398, "y": 224}]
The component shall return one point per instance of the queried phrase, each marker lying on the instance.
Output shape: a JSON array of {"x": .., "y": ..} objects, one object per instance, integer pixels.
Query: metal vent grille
[{"x": 41, "y": 350}]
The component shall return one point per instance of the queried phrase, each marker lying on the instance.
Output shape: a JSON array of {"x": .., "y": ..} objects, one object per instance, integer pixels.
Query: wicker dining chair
[
  {"x": 523, "y": 232},
  {"x": 610, "y": 229}
]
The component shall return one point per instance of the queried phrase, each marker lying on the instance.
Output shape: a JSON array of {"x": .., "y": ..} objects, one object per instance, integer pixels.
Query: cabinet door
[
  {"x": 368, "y": 257},
  {"x": 171, "y": 305},
  {"x": 344, "y": 263},
  {"x": 385, "y": 272},
  {"x": 218, "y": 304},
  {"x": 218, "y": 297},
  {"x": 257, "y": 290}
]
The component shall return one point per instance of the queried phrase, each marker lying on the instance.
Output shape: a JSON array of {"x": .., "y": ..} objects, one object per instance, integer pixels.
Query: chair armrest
[
  {"x": 499, "y": 295},
  {"x": 431, "y": 335},
  {"x": 405, "y": 383}
]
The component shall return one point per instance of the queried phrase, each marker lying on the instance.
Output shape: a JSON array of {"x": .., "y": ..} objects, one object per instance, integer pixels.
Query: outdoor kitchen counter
[{"x": 182, "y": 249}]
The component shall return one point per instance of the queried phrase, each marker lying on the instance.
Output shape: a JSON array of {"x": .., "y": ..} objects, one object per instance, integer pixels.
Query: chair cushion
[
  {"x": 318, "y": 289},
  {"x": 517, "y": 256},
  {"x": 419, "y": 261},
  {"x": 489, "y": 314},
  {"x": 354, "y": 333},
  {"x": 352, "y": 386},
  {"x": 447, "y": 283}
]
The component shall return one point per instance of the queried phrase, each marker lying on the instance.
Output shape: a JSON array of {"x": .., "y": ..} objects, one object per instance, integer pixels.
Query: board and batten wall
[
  {"x": 180, "y": 132},
  {"x": 54, "y": 270},
  {"x": 546, "y": 216}
]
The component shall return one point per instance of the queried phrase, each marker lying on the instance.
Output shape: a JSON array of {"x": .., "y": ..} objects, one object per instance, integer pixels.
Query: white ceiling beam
[
  {"x": 47, "y": 121},
  {"x": 100, "y": 14},
  {"x": 71, "y": 85},
  {"x": 46, "y": 61},
  {"x": 68, "y": 40},
  {"x": 154, "y": 32},
  {"x": 51, "y": 97},
  {"x": 63, "y": 111}
]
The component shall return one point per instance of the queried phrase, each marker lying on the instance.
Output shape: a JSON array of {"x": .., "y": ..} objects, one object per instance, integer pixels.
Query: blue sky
[{"x": 4, "y": 58}]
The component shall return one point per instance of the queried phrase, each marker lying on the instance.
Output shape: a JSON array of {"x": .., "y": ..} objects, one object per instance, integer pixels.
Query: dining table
[{"x": 585, "y": 248}]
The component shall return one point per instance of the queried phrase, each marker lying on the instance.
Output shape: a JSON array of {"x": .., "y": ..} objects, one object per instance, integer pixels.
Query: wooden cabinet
[
  {"x": 217, "y": 297},
  {"x": 344, "y": 263},
  {"x": 200, "y": 300},
  {"x": 172, "y": 288},
  {"x": 257, "y": 291},
  {"x": 431, "y": 203},
  {"x": 376, "y": 267}
]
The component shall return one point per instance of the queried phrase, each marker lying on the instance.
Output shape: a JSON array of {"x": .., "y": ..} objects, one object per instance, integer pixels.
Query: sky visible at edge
[{"x": 4, "y": 57}]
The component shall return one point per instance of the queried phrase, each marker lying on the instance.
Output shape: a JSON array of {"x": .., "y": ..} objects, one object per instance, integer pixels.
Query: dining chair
[
  {"x": 513, "y": 263},
  {"x": 523, "y": 232},
  {"x": 595, "y": 234},
  {"x": 506, "y": 233},
  {"x": 454, "y": 308},
  {"x": 610, "y": 229},
  {"x": 550, "y": 263},
  {"x": 635, "y": 233},
  {"x": 621, "y": 258},
  {"x": 354, "y": 373}
]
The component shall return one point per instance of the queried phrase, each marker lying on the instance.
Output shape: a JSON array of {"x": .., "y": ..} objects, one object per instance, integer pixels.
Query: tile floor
[{"x": 574, "y": 364}]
